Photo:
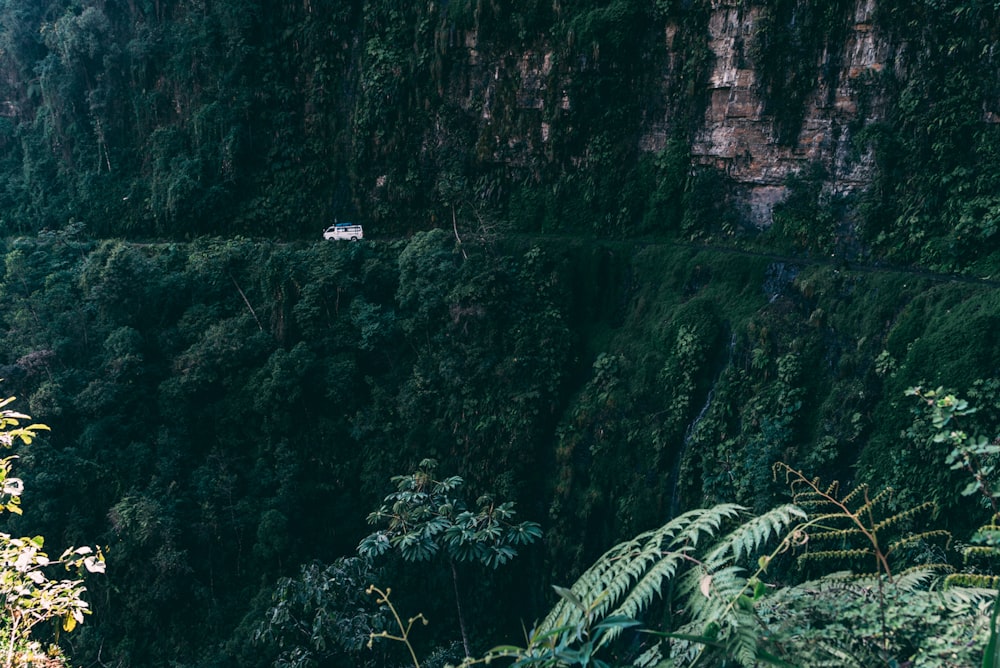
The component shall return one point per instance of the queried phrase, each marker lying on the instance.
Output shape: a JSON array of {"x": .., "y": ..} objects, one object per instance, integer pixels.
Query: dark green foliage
[
  {"x": 322, "y": 615},
  {"x": 836, "y": 622},
  {"x": 247, "y": 400},
  {"x": 627, "y": 579},
  {"x": 665, "y": 208},
  {"x": 173, "y": 119},
  {"x": 425, "y": 516},
  {"x": 804, "y": 221},
  {"x": 231, "y": 409},
  {"x": 932, "y": 201},
  {"x": 716, "y": 614},
  {"x": 858, "y": 530},
  {"x": 695, "y": 561}
]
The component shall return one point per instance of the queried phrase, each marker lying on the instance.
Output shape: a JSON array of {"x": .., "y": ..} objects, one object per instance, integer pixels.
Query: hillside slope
[{"x": 225, "y": 411}]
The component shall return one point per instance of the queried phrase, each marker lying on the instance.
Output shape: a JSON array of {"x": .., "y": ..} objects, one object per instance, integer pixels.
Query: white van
[{"x": 348, "y": 231}]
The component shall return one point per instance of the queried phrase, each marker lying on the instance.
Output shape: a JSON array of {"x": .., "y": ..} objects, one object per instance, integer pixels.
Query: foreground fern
[
  {"x": 860, "y": 530},
  {"x": 891, "y": 609},
  {"x": 629, "y": 576},
  {"x": 698, "y": 555},
  {"x": 720, "y": 612}
]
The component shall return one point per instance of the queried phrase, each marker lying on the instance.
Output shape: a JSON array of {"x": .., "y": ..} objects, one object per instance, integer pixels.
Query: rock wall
[
  {"x": 737, "y": 135},
  {"x": 739, "y": 138}
]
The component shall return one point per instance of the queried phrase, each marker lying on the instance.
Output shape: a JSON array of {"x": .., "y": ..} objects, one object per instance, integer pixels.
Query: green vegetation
[
  {"x": 232, "y": 410},
  {"x": 425, "y": 517},
  {"x": 728, "y": 599},
  {"x": 716, "y": 587},
  {"x": 556, "y": 302},
  {"x": 933, "y": 200},
  {"x": 32, "y": 597}
]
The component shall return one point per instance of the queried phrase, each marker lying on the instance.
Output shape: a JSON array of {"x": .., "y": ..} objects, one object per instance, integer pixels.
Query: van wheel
[{"x": 354, "y": 238}]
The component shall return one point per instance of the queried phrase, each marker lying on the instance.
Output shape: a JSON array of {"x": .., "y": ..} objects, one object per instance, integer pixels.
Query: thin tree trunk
[
  {"x": 454, "y": 226},
  {"x": 458, "y": 604},
  {"x": 246, "y": 301}
]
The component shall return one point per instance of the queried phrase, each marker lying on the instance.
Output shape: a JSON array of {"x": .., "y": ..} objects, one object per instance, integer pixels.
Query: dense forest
[{"x": 566, "y": 328}]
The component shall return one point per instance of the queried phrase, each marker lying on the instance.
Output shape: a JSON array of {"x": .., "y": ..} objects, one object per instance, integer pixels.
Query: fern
[
  {"x": 693, "y": 554},
  {"x": 751, "y": 536},
  {"x": 858, "y": 525},
  {"x": 723, "y": 615},
  {"x": 630, "y": 574}
]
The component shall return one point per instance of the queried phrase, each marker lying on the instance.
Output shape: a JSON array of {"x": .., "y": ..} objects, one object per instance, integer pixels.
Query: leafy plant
[
  {"x": 426, "y": 517},
  {"x": 978, "y": 456},
  {"x": 321, "y": 616},
  {"x": 719, "y": 613},
  {"x": 973, "y": 453},
  {"x": 856, "y": 526},
  {"x": 29, "y": 596},
  {"x": 844, "y": 620},
  {"x": 571, "y": 645},
  {"x": 691, "y": 562}
]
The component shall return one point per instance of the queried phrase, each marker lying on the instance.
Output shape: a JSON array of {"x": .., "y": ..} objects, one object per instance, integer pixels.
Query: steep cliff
[
  {"x": 739, "y": 136},
  {"x": 655, "y": 319},
  {"x": 625, "y": 118}
]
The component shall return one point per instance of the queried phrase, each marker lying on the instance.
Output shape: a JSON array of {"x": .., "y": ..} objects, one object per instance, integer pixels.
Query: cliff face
[
  {"x": 737, "y": 132},
  {"x": 547, "y": 116},
  {"x": 738, "y": 136}
]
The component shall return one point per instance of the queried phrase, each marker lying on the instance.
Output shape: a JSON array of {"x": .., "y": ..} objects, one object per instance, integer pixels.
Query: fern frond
[
  {"x": 631, "y": 574},
  {"x": 924, "y": 572},
  {"x": 961, "y": 599},
  {"x": 648, "y": 587},
  {"x": 705, "y": 592},
  {"x": 979, "y": 551},
  {"x": 744, "y": 639},
  {"x": 708, "y": 521},
  {"x": 975, "y": 580},
  {"x": 651, "y": 584},
  {"x": 915, "y": 578},
  {"x": 919, "y": 537},
  {"x": 857, "y": 491},
  {"x": 901, "y": 515},
  {"x": 872, "y": 502},
  {"x": 810, "y": 501},
  {"x": 750, "y": 536},
  {"x": 835, "y": 534},
  {"x": 855, "y": 553},
  {"x": 696, "y": 554}
]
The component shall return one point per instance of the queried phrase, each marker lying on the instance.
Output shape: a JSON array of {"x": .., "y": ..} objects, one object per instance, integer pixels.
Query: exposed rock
[
  {"x": 737, "y": 135},
  {"x": 739, "y": 138}
]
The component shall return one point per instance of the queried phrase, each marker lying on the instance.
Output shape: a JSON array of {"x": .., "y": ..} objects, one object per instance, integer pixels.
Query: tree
[
  {"x": 323, "y": 616},
  {"x": 425, "y": 517},
  {"x": 28, "y": 595}
]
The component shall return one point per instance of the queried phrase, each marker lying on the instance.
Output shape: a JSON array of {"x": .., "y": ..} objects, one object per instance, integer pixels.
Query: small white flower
[{"x": 13, "y": 486}]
